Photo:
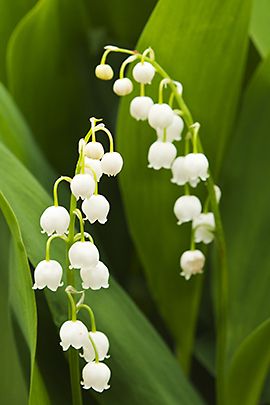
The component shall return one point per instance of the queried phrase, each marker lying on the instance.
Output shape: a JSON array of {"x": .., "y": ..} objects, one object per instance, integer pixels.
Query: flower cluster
[
  {"x": 169, "y": 120},
  {"x": 83, "y": 255}
]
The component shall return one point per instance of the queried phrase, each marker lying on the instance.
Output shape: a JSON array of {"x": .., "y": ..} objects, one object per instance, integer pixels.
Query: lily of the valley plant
[
  {"x": 172, "y": 122},
  {"x": 83, "y": 256}
]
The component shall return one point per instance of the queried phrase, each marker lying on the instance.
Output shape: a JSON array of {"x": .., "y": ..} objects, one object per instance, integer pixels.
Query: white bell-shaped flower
[
  {"x": 94, "y": 164},
  {"x": 104, "y": 72},
  {"x": 218, "y": 193},
  {"x": 123, "y": 87},
  {"x": 160, "y": 116},
  {"x": 96, "y": 208},
  {"x": 55, "y": 219},
  {"x": 192, "y": 262},
  {"x": 140, "y": 107},
  {"x": 102, "y": 345},
  {"x": 82, "y": 185},
  {"x": 73, "y": 333},
  {"x": 96, "y": 376},
  {"x": 204, "y": 227},
  {"x": 179, "y": 172},
  {"x": 197, "y": 166},
  {"x": 94, "y": 150},
  {"x": 187, "y": 208},
  {"x": 95, "y": 277},
  {"x": 83, "y": 255},
  {"x": 143, "y": 72},
  {"x": 112, "y": 163},
  {"x": 161, "y": 155},
  {"x": 48, "y": 273},
  {"x": 173, "y": 131}
]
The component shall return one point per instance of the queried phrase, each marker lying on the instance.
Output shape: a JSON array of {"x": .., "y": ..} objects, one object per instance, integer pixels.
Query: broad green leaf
[
  {"x": 10, "y": 362},
  {"x": 11, "y": 12},
  {"x": 247, "y": 222},
  {"x": 22, "y": 299},
  {"x": 16, "y": 135},
  {"x": 260, "y": 26},
  {"x": 249, "y": 366},
  {"x": 120, "y": 20},
  {"x": 195, "y": 48},
  {"x": 144, "y": 371},
  {"x": 53, "y": 89}
]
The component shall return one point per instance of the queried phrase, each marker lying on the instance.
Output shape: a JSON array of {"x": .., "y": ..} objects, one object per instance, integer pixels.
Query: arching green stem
[
  {"x": 55, "y": 188},
  {"x": 91, "y": 315}
]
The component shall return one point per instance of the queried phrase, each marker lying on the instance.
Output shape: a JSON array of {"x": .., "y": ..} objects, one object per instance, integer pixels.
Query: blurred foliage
[{"x": 48, "y": 52}]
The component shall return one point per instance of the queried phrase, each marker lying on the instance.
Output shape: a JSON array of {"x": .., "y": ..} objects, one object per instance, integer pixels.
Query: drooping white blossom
[
  {"x": 96, "y": 376},
  {"x": 55, "y": 219},
  {"x": 191, "y": 262},
  {"x": 111, "y": 163},
  {"x": 179, "y": 171},
  {"x": 73, "y": 333},
  {"x": 140, "y": 107},
  {"x": 48, "y": 273},
  {"x": 82, "y": 186},
  {"x": 95, "y": 277},
  {"x": 96, "y": 208},
  {"x": 104, "y": 72},
  {"x": 83, "y": 255},
  {"x": 102, "y": 345},
  {"x": 204, "y": 227},
  {"x": 187, "y": 208},
  {"x": 143, "y": 72},
  {"x": 160, "y": 116},
  {"x": 197, "y": 166},
  {"x": 94, "y": 150},
  {"x": 161, "y": 155},
  {"x": 173, "y": 131},
  {"x": 123, "y": 87},
  {"x": 93, "y": 164}
]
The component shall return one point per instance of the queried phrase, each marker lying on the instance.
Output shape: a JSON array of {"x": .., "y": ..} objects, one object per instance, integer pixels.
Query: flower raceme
[
  {"x": 83, "y": 255},
  {"x": 170, "y": 119}
]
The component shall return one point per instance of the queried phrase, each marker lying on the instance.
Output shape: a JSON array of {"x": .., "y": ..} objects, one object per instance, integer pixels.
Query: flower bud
[
  {"x": 83, "y": 255},
  {"x": 143, "y": 72},
  {"x": 55, "y": 219},
  {"x": 161, "y": 155},
  {"x": 179, "y": 171},
  {"x": 94, "y": 150},
  {"x": 179, "y": 87},
  {"x": 139, "y": 107},
  {"x": 104, "y": 72},
  {"x": 112, "y": 163},
  {"x": 187, "y": 208},
  {"x": 123, "y": 87},
  {"x": 160, "y": 116},
  {"x": 102, "y": 345},
  {"x": 173, "y": 131},
  {"x": 48, "y": 273},
  {"x": 197, "y": 167},
  {"x": 204, "y": 226},
  {"x": 217, "y": 192},
  {"x": 94, "y": 164},
  {"x": 96, "y": 208},
  {"x": 82, "y": 185},
  {"x": 192, "y": 262},
  {"x": 73, "y": 333},
  {"x": 96, "y": 376},
  {"x": 96, "y": 277}
]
